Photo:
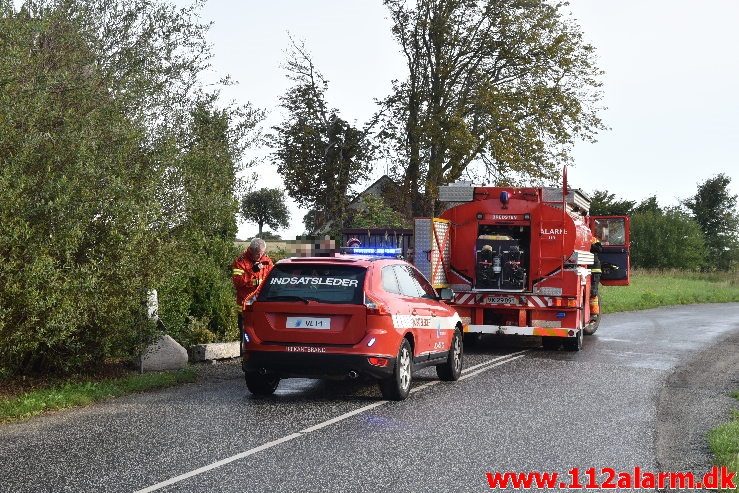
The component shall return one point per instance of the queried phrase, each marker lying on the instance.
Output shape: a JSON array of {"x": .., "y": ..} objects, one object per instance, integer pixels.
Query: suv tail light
[{"x": 374, "y": 306}]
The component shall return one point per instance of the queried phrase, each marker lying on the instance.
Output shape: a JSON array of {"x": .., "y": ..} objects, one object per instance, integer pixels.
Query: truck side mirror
[{"x": 446, "y": 294}]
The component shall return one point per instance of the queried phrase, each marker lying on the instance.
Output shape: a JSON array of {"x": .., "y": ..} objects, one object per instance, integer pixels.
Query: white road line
[
  {"x": 220, "y": 463},
  {"x": 482, "y": 367},
  {"x": 490, "y": 366},
  {"x": 424, "y": 386},
  {"x": 343, "y": 417},
  {"x": 485, "y": 363}
]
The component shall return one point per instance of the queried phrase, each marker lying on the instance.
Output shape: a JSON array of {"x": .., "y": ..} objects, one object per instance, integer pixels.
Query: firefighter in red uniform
[
  {"x": 250, "y": 269},
  {"x": 596, "y": 270}
]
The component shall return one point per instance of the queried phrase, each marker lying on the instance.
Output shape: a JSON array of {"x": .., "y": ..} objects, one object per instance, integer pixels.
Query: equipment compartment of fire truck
[
  {"x": 502, "y": 259},
  {"x": 517, "y": 261}
]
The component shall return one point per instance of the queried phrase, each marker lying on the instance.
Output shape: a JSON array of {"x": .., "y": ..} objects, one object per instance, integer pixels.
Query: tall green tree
[
  {"x": 666, "y": 240},
  {"x": 649, "y": 204},
  {"x": 196, "y": 294},
  {"x": 105, "y": 162},
  {"x": 506, "y": 85},
  {"x": 319, "y": 154},
  {"x": 76, "y": 199},
  {"x": 209, "y": 168},
  {"x": 266, "y": 206},
  {"x": 714, "y": 208},
  {"x": 603, "y": 203}
]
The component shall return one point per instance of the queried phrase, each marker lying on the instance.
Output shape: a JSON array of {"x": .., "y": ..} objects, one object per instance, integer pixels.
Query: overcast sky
[{"x": 671, "y": 89}]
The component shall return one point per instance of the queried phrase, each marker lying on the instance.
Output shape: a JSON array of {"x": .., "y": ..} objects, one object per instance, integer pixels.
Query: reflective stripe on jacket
[{"x": 245, "y": 279}]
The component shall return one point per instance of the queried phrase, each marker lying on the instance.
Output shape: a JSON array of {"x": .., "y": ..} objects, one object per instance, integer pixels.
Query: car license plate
[
  {"x": 502, "y": 300},
  {"x": 308, "y": 323}
]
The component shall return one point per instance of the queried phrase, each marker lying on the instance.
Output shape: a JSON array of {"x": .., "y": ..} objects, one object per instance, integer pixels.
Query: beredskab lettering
[{"x": 316, "y": 281}]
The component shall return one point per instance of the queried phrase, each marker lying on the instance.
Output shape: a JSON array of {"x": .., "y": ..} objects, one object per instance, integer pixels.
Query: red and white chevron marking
[
  {"x": 465, "y": 299},
  {"x": 539, "y": 301},
  {"x": 481, "y": 299}
]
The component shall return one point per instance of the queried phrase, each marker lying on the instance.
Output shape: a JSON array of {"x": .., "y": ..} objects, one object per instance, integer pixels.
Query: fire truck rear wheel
[
  {"x": 261, "y": 384},
  {"x": 397, "y": 386},
  {"x": 592, "y": 326},
  {"x": 452, "y": 369}
]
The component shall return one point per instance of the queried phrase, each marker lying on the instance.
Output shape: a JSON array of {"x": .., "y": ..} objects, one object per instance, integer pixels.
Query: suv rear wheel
[
  {"x": 452, "y": 369},
  {"x": 397, "y": 386},
  {"x": 261, "y": 384}
]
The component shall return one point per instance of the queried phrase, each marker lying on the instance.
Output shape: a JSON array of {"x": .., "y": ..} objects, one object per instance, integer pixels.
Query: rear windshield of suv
[{"x": 326, "y": 283}]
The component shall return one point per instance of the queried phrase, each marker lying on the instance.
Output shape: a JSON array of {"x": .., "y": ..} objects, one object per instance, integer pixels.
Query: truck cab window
[{"x": 611, "y": 231}]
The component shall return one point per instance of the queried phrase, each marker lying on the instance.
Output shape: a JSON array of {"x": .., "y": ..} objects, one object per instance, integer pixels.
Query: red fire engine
[{"x": 517, "y": 260}]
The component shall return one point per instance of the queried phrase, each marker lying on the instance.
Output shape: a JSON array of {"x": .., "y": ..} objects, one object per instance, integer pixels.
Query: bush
[
  {"x": 196, "y": 294},
  {"x": 375, "y": 213},
  {"x": 669, "y": 240},
  {"x": 213, "y": 297},
  {"x": 278, "y": 254},
  {"x": 76, "y": 205},
  {"x": 117, "y": 175}
]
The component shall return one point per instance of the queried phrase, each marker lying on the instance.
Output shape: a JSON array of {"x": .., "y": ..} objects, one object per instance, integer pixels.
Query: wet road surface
[{"x": 517, "y": 407}]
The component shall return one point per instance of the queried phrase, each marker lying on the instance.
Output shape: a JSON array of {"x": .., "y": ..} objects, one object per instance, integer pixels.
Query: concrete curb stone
[
  {"x": 214, "y": 351},
  {"x": 163, "y": 354}
]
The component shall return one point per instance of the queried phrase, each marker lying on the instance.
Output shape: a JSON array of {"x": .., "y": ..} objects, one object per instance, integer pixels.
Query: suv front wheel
[
  {"x": 397, "y": 386},
  {"x": 452, "y": 369}
]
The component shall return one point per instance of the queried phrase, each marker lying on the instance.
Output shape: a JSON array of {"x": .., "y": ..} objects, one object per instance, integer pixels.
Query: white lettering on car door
[{"x": 424, "y": 322}]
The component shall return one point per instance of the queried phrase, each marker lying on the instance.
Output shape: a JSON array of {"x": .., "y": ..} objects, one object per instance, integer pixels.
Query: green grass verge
[
  {"x": 83, "y": 393},
  {"x": 724, "y": 442},
  {"x": 650, "y": 289}
]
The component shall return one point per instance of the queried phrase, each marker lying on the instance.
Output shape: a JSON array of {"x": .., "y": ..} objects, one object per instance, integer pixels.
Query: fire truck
[{"x": 516, "y": 261}]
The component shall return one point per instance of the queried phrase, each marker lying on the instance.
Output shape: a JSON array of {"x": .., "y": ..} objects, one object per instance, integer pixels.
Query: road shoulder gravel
[{"x": 694, "y": 399}]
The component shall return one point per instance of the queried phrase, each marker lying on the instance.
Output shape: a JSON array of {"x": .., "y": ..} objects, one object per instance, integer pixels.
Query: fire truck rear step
[{"x": 522, "y": 331}]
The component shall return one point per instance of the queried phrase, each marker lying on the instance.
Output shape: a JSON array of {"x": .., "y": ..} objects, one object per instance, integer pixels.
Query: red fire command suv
[{"x": 348, "y": 317}]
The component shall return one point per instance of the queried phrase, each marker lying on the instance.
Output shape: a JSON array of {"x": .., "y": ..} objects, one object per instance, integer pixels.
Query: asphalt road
[{"x": 513, "y": 410}]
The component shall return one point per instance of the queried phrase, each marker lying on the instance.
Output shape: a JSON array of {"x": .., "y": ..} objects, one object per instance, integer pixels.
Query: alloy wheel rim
[
  {"x": 405, "y": 369},
  {"x": 457, "y": 354}
]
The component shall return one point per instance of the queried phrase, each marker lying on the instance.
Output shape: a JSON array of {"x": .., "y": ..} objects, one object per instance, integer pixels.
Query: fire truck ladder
[{"x": 557, "y": 224}]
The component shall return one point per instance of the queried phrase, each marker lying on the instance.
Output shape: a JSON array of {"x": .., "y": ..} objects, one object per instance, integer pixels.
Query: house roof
[{"x": 382, "y": 181}]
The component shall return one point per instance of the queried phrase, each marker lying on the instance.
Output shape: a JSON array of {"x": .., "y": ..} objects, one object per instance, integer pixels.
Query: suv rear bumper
[{"x": 314, "y": 365}]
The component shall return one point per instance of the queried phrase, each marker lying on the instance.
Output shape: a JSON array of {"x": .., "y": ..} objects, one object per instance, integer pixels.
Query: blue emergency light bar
[{"x": 372, "y": 252}]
